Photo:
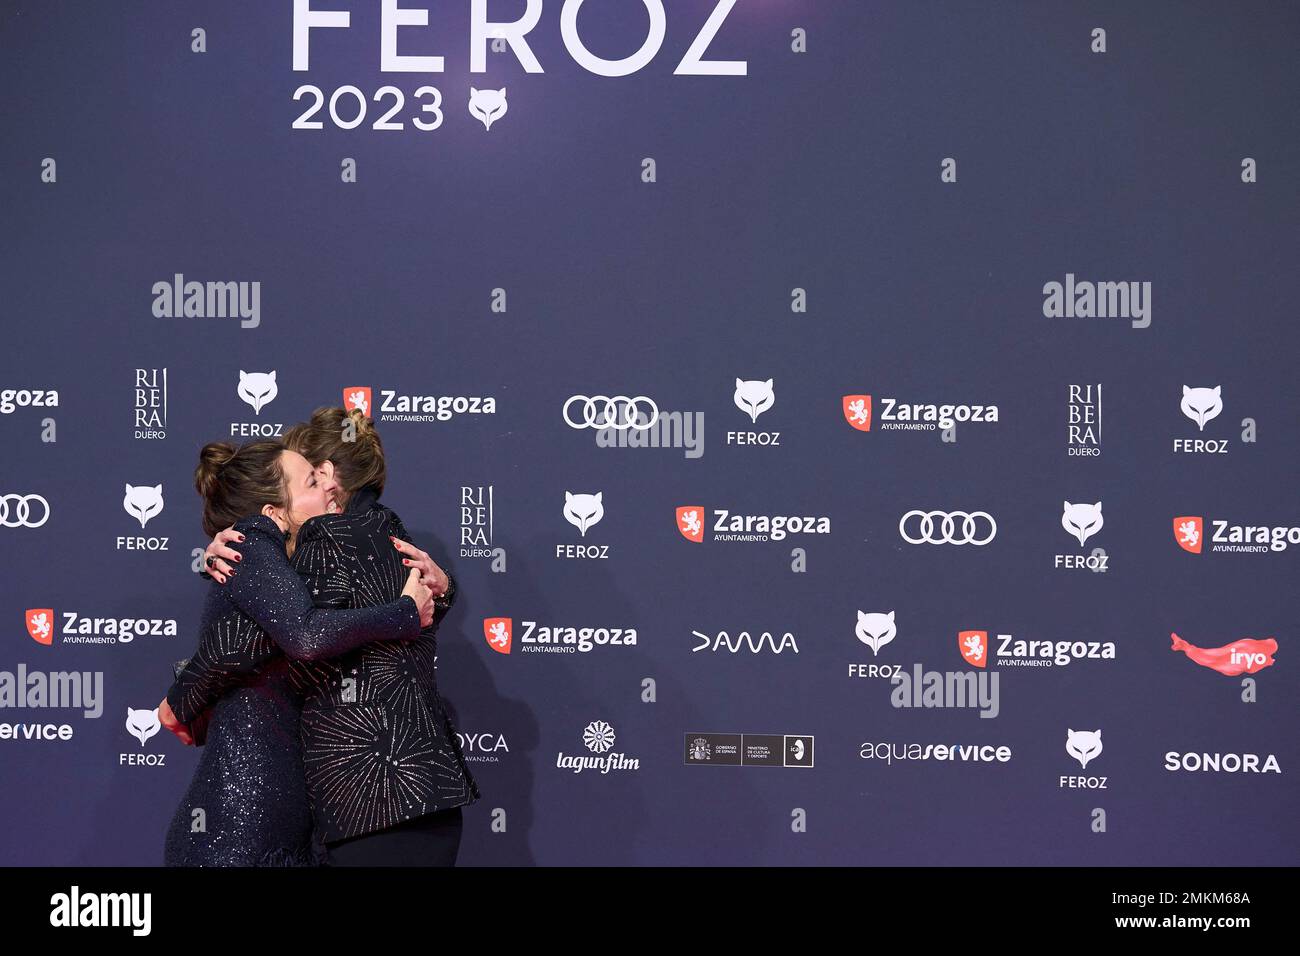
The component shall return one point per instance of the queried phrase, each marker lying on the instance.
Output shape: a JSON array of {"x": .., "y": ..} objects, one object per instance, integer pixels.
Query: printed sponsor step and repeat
[{"x": 860, "y": 433}]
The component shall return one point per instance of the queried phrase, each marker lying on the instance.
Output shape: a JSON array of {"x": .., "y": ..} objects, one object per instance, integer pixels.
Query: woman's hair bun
[{"x": 212, "y": 458}]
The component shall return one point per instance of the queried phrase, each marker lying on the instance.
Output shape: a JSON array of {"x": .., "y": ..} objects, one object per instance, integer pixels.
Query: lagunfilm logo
[
  {"x": 891, "y": 414},
  {"x": 1245, "y": 656},
  {"x": 77, "y": 628},
  {"x": 396, "y": 407},
  {"x": 1201, "y": 405},
  {"x": 143, "y": 503},
  {"x": 499, "y": 632},
  {"x": 1189, "y": 533},
  {"x": 257, "y": 390},
  {"x": 150, "y": 397},
  {"x": 599, "y": 739},
  {"x": 977, "y": 650},
  {"x": 691, "y": 521},
  {"x": 208, "y": 300}
]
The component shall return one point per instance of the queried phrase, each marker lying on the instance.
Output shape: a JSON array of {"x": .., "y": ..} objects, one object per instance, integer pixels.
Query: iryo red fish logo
[
  {"x": 857, "y": 411},
  {"x": 1187, "y": 532},
  {"x": 357, "y": 397},
  {"x": 1246, "y": 656},
  {"x": 497, "y": 632},
  {"x": 974, "y": 647},
  {"x": 690, "y": 522},
  {"x": 40, "y": 624}
]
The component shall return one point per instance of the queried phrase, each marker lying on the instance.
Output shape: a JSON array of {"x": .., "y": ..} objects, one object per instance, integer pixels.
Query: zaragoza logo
[
  {"x": 974, "y": 647},
  {"x": 1188, "y": 532},
  {"x": 357, "y": 397},
  {"x": 857, "y": 411},
  {"x": 690, "y": 522},
  {"x": 497, "y": 631},
  {"x": 40, "y": 624}
]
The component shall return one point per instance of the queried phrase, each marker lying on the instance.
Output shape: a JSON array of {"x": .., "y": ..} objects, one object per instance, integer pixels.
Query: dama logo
[
  {"x": 40, "y": 624},
  {"x": 690, "y": 522},
  {"x": 857, "y": 411},
  {"x": 1188, "y": 532},
  {"x": 497, "y": 632},
  {"x": 974, "y": 647},
  {"x": 357, "y": 397}
]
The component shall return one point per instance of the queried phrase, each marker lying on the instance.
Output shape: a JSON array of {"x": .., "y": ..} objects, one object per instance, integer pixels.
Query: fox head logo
[
  {"x": 1083, "y": 745},
  {"x": 974, "y": 647},
  {"x": 583, "y": 511},
  {"x": 857, "y": 411},
  {"x": 40, "y": 624},
  {"x": 876, "y": 630},
  {"x": 690, "y": 522},
  {"x": 1187, "y": 532},
  {"x": 1082, "y": 521},
  {"x": 1202, "y": 404},
  {"x": 754, "y": 398},
  {"x": 142, "y": 502},
  {"x": 357, "y": 397},
  {"x": 257, "y": 388},
  {"x": 487, "y": 106},
  {"x": 497, "y": 631},
  {"x": 142, "y": 724}
]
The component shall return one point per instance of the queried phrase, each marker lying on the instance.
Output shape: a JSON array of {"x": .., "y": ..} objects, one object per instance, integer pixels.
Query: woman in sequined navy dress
[
  {"x": 247, "y": 804},
  {"x": 386, "y": 776}
]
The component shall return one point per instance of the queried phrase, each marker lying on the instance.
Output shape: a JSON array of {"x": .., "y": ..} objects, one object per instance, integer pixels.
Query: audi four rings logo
[
  {"x": 949, "y": 533},
  {"x": 16, "y": 511},
  {"x": 594, "y": 417}
]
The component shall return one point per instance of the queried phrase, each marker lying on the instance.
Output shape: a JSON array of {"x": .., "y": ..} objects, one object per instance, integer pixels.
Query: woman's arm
[{"x": 269, "y": 591}]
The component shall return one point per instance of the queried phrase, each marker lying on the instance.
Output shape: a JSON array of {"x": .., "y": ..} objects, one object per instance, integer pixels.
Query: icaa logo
[
  {"x": 974, "y": 647},
  {"x": 1187, "y": 532},
  {"x": 690, "y": 522},
  {"x": 357, "y": 397},
  {"x": 497, "y": 632},
  {"x": 857, "y": 411}
]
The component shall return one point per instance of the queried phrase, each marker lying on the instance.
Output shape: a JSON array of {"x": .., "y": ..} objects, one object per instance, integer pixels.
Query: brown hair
[
  {"x": 357, "y": 463},
  {"x": 236, "y": 482}
]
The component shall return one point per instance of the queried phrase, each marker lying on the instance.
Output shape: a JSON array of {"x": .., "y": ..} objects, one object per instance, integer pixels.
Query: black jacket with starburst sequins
[{"x": 378, "y": 745}]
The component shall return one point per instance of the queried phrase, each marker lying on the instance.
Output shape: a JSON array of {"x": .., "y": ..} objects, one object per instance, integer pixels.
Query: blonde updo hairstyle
[
  {"x": 236, "y": 482},
  {"x": 347, "y": 438}
]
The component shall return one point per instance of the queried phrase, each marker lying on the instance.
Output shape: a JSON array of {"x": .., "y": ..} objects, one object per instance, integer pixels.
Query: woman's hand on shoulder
[
  {"x": 418, "y": 592},
  {"x": 219, "y": 558},
  {"x": 434, "y": 577}
]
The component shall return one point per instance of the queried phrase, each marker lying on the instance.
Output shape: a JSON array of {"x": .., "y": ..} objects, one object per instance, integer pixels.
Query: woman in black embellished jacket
[
  {"x": 247, "y": 803},
  {"x": 386, "y": 777}
]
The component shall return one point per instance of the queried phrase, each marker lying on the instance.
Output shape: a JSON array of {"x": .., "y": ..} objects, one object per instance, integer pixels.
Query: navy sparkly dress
[{"x": 247, "y": 804}]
